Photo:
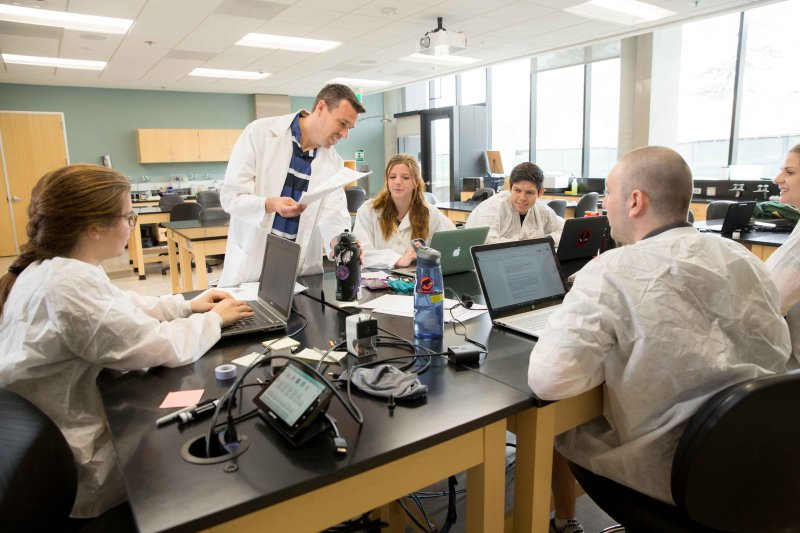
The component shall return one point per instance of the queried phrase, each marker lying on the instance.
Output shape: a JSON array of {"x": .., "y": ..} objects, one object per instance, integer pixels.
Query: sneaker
[{"x": 573, "y": 526}]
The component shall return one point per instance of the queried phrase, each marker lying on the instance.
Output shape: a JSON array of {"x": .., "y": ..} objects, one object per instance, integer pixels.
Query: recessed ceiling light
[
  {"x": 234, "y": 74},
  {"x": 355, "y": 82},
  {"x": 620, "y": 11},
  {"x": 58, "y": 62},
  {"x": 439, "y": 60},
  {"x": 282, "y": 42},
  {"x": 389, "y": 10},
  {"x": 62, "y": 19}
]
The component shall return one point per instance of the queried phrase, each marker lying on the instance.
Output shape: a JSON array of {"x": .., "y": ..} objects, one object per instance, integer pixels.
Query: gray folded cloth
[{"x": 386, "y": 380}]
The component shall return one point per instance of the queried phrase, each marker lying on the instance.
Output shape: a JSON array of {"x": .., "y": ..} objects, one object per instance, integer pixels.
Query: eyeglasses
[{"x": 132, "y": 216}]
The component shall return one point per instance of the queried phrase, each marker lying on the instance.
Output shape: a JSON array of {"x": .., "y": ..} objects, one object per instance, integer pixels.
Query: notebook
[
  {"x": 275, "y": 289},
  {"x": 736, "y": 218},
  {"x": 521, "y": 283},
  {"x": 580, "y": 241},
  {"x": 454, "y": 246}
]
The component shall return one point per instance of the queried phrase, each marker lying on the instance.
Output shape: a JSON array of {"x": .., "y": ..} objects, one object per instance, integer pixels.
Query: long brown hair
[
  {"x": 64, "y": 204},
  {"x": 418, "y": 213}
]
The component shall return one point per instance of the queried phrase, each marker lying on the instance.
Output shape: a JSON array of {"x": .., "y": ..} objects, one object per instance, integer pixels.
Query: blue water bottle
[{"x": 428, "y": 293}]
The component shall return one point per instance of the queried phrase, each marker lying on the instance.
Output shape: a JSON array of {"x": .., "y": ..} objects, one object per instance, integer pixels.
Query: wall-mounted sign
[{"x": 360, "y": 156}]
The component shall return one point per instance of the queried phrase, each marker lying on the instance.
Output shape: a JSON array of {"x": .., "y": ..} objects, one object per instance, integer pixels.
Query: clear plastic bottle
[{"x": 428, "y": 294}]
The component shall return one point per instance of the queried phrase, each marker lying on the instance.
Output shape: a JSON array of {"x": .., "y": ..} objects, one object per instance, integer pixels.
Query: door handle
[{"x": 16, "y": 198}]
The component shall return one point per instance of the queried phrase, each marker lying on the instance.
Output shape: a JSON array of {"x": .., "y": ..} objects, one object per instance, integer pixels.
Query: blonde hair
[
  {"x": 418, "y": 213},
  {"x": 64, "y": 204}
]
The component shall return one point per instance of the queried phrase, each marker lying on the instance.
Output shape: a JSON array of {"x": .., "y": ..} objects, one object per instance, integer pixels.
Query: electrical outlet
[
  {"x": 696, "y": 190},
  {"x": 711, "y": 191}
]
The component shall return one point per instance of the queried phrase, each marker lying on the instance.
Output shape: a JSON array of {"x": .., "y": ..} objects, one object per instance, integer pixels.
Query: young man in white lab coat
[
  {"x": 514, "y": 214},
  {"x": 274, "y": 161},
  {"x": 661, "y": 322}
]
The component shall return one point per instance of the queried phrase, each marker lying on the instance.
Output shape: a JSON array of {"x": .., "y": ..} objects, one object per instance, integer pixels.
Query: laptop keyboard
[
  {"x": 241, "y": 324},
  {"x": 531, "y": 322}
]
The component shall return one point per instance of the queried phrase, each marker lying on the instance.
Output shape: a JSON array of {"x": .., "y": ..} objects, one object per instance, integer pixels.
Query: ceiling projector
[{"x": 440, "y": 42}]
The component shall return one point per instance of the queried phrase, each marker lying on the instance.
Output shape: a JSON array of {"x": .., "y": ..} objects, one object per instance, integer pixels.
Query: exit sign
[{"x": 360, "y": 156}]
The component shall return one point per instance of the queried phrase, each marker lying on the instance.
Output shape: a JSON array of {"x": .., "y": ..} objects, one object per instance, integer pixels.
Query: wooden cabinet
[
  {"x": 213, "y": 145},
  {"x": 185, "y": 145}
]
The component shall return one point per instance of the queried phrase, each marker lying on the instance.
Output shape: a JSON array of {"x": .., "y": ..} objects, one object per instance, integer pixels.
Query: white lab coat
[
  {"x": 499, "y": 214},
  {"x": 665, "y": 323},
  {"x": 382, "y": 253},
  {"x": 257, "y": 170},
  {"x": 62, "y": 324},
  {"x": 784, "y": 264}
]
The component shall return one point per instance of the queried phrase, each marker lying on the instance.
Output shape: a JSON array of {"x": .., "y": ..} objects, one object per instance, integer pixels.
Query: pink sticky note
[{"x": 182, "y": 398}]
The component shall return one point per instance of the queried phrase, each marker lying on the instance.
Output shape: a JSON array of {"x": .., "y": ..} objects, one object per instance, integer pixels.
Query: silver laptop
[
  {"x": 454, "y": 246},
  {"x": 275, "y": 289},
  {"x": 521, "y": 283}
]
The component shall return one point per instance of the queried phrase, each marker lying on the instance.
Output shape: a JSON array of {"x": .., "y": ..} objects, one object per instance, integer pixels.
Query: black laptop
[
  {"x": 737, "y": 218},
  {"x": 580, "y": 242},
  {"x": 275, "y": 289}
]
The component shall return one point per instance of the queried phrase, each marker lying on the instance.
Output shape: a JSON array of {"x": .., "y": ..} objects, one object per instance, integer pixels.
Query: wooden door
[
  {"x": 32, "y": 145},
  {"x": 7, "y": 245}
]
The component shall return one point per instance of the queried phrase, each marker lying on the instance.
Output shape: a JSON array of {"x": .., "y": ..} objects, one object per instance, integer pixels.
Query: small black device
[
  {"x": 347, "y": 256},
  {"x": 293, "y": 401}
]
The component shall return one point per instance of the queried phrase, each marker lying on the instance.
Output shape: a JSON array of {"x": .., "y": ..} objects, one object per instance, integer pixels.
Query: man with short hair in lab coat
[
  {"x": 663, "y": 322},
  {"x": 274, "y": 161}
]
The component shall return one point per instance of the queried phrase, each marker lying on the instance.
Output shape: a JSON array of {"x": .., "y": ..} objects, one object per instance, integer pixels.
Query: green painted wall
[
  {"x": 104, "y": 121},
  {"x": 367, "y": 136}
]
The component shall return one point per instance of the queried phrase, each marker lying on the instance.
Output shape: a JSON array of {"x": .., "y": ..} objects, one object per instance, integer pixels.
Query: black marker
[{"x": 199, "y": 411}]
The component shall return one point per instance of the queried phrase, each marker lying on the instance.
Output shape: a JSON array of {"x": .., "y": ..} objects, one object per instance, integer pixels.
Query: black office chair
[
  {"x": 38, "y": 477},
  {"x": 168, "y": 201},
  {"x": 431, "y": 198},
  {"x": 588, "y": 202},
  {"x": 355, "y": 197},
  {"x": 735, "y": 469},
  {"x": 184, "y": 211},
  {"x": 208, "y": 199},
  {"x": 482, "y": 194},
  {"x": 213, "y": 216},
  {"x": 559, "y": 206},
  {"x": 718, "y": 209}
]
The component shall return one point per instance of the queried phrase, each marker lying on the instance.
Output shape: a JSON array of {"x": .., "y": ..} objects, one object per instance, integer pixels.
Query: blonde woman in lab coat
[
  {"x": 399, "y": 213},
  {"x": 62, "y": 320},
  {"x": 784, "y": 264}
]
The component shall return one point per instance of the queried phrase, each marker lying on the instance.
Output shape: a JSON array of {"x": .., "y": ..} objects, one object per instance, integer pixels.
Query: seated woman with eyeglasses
[
  {"x": 62, "y": 320},
  {"x": 399, "y": 213}
]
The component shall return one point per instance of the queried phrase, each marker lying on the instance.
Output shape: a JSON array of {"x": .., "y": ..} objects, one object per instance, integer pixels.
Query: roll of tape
[{"x": 224, "y": 372}]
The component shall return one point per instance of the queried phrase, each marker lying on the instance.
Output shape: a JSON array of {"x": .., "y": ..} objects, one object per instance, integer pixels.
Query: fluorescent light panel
[
  {"x": 58, "y": 62},
  {"x": 355, "y": 82},
  {"x": 62, "y": 19},
  {"x": 233, "y": 74},
  {"x": 281, "y": 42},
  {"x": 620, "y": 11},
  {"x": 439, "y": 60}
]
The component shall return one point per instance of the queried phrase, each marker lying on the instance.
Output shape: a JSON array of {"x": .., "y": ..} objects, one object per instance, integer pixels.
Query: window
[
  {"x": 705, "y": 105},
  {"x": 559, "y": 120},
  {"x": 443, "y": 91},
  {"x": 473, "y": 87},
  {"x": 511, "y": 109},
  {"x": 415, "y": 96},
  {"x": 604, "y": 117},
  {"x": 770, "y": 108}
]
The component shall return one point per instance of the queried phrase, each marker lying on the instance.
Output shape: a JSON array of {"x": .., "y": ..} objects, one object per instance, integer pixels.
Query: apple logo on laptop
[{"x": 457, "y": 252}]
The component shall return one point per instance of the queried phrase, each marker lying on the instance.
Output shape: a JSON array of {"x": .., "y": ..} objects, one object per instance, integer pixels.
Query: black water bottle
[{"x": 347, "y": 255}]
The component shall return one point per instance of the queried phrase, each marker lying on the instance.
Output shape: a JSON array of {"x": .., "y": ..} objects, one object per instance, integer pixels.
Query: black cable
[
  {"x": 413, "y": 518},
  {"x": 457, "y": 321}
]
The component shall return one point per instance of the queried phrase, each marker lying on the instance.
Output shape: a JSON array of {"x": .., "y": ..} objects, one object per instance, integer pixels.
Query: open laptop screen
[
  {"x": 518, "y": 274},
  {"x": 278, "y": 273}
]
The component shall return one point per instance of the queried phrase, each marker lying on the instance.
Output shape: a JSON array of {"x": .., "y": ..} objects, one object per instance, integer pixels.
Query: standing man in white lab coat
[
  {"x": 663, "y": 322},
  {"x": 274, "y": 161}
]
